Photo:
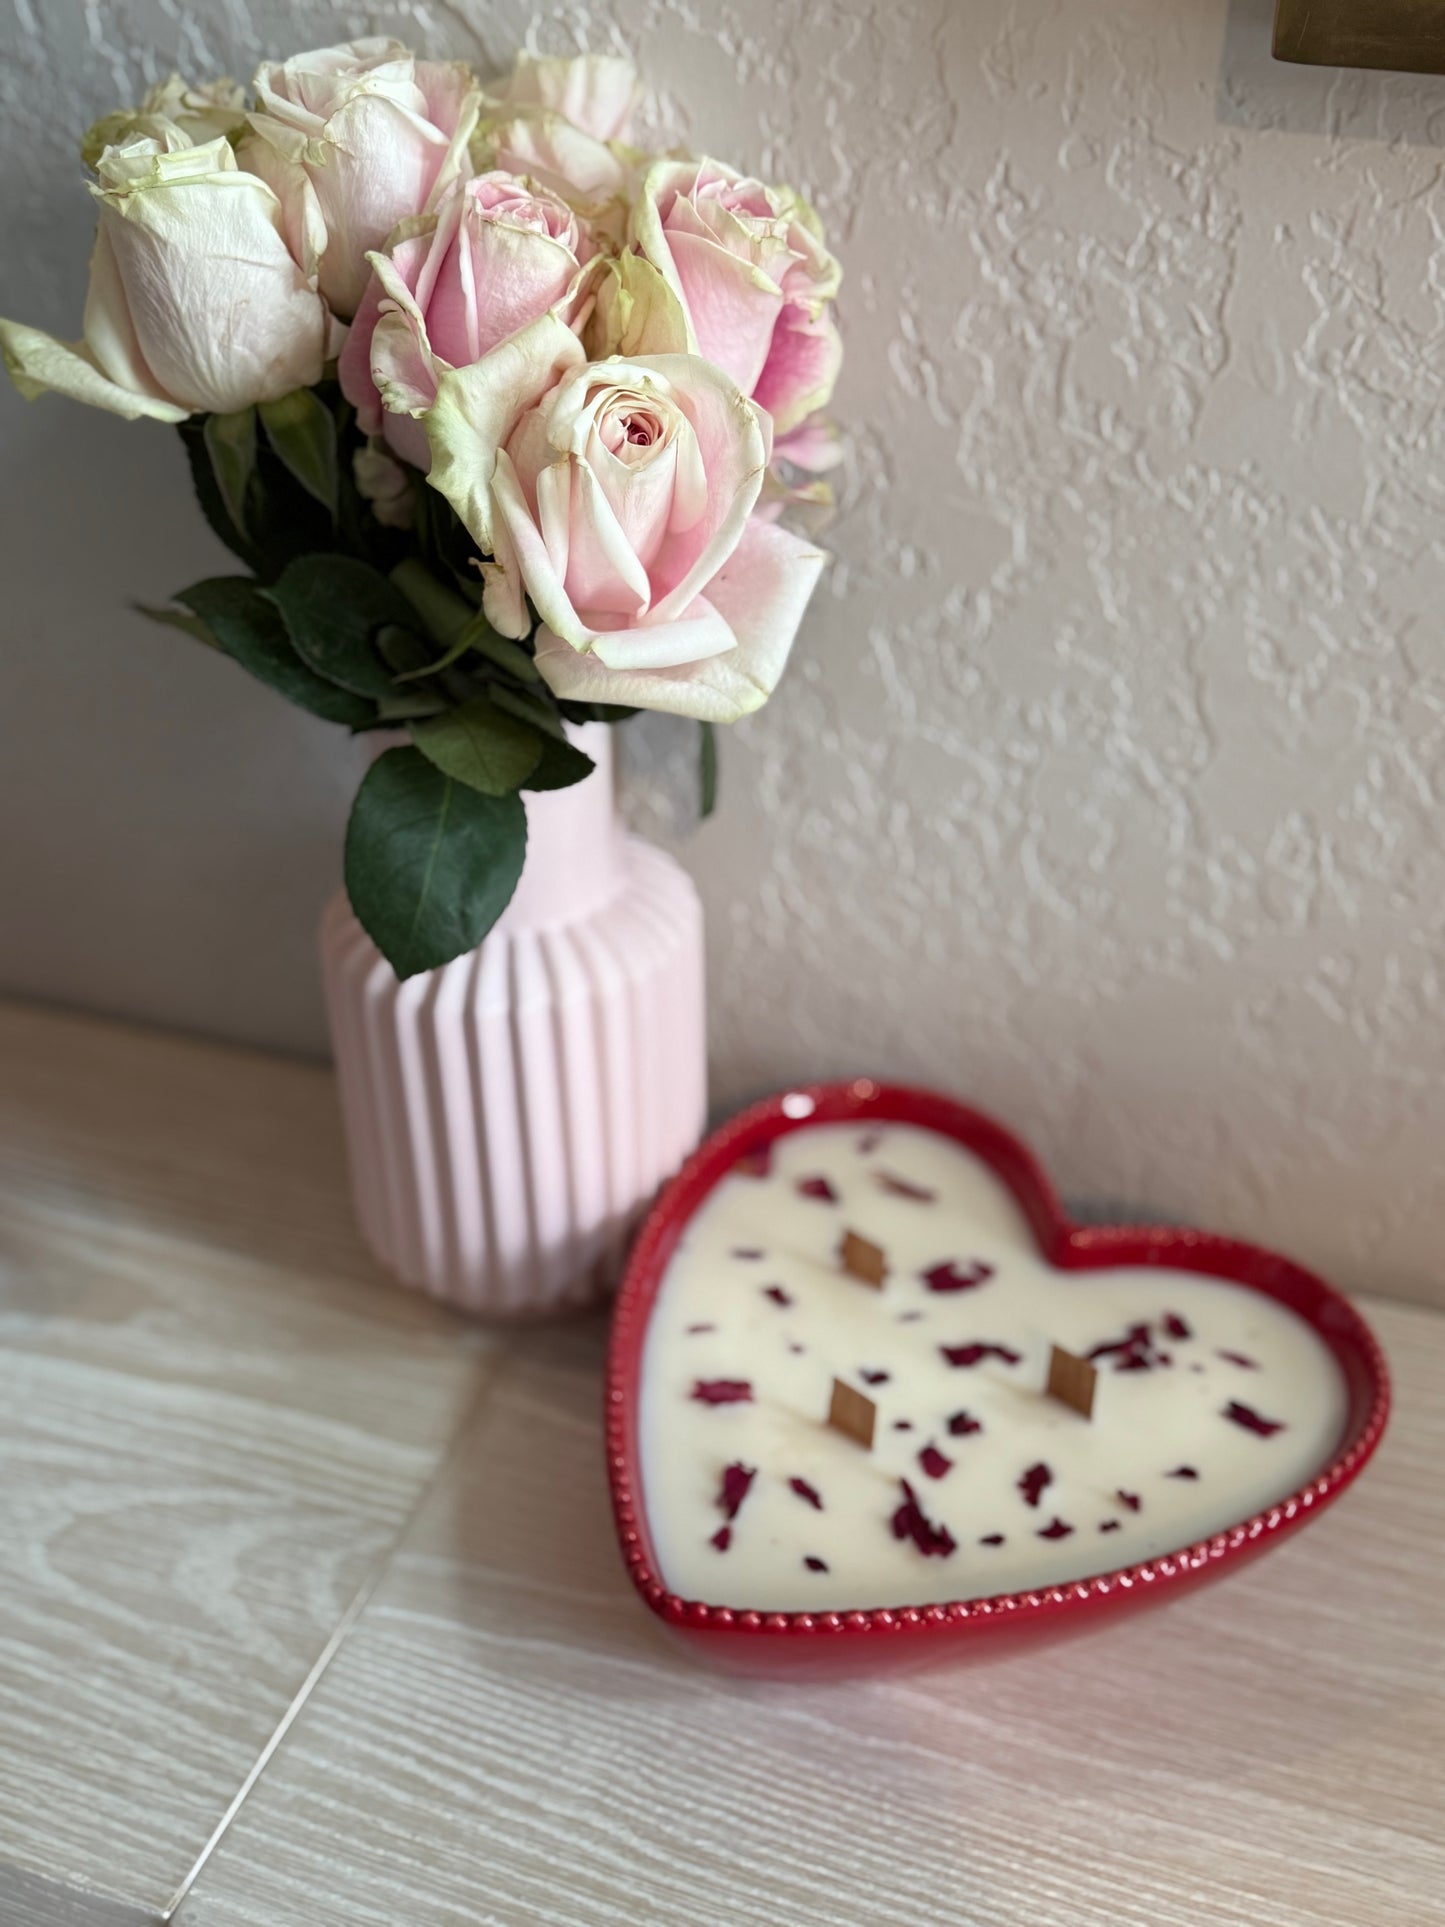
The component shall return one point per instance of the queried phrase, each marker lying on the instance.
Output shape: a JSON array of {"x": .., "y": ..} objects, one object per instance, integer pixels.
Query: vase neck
[{"x": 575, "y": 844}]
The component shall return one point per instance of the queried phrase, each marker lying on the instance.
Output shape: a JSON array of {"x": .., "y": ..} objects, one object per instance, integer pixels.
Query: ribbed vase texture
[{"x": 510, "y": 1115}]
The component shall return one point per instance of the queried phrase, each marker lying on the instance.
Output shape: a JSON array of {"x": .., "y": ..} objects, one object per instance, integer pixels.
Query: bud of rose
[
  {"x": 367, "y": 133},
  {"x": 196, "y": 303},
  {"x": 202, "y": 113},
  {"x": 382, "y": 481}
]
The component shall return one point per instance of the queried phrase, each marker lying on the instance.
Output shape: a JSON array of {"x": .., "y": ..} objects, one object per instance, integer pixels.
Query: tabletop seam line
[{"x": 335, "y": 1640}]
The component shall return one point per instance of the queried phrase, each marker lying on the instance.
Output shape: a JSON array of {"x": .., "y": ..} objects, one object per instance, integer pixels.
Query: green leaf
[
  {"x": 481, "y": 637},
  {"x": 302, "y": 431},
  {"x": 407, "y": 705},
  {"x": 536, "y": 710},
  {"x": 231, "y": 444},
  {"x": 403, "y": 651},
  {"x": 445, "y": 615},
  {"x": 203, "y": 480},
  {"x": 505, "y": 653},
  {"x": 282, "y": 519},
  {"x": 333, "y": 606},
  {"x": 178, "y": 619},
  {"x": 430, "y": 863},
  {"x": 459, "y": 648},
  {"x": 481, "y": 746},
  {"x": 560, "y": 767},
  {"x": 245, "y": 624},
  {"x": 707, "y": 769}
]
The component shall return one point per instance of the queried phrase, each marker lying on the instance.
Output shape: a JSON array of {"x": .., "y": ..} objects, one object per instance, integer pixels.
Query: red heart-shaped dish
[{"x": 814, "y": 1641}]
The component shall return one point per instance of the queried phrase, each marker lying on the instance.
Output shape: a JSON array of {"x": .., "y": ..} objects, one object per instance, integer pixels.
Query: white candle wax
[{"x": 1235, "y": 1404}]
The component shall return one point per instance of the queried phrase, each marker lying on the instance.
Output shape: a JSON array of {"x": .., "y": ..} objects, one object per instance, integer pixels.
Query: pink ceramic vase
[{"x": 509, "y": 1115}]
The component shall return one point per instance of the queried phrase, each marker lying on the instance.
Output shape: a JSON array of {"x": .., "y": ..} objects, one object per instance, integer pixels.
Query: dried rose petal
[
  {"x": 806, "y": 1491},
  {"x": 1238, "y": 1358},
  {"x": 722, "y": 1538},
  {"x": 816, "y": 1188},
  {"x": 1055, "y": 1530},
  {"x": 1110, "y": 1525},
  {"x": 815, "y": 1564},
  {"x": 963, "y": 1423},
  {"x": 756, "y": 1164},
  {"x": 911, "y": 1522},
  {"x": 1034, "y": 1482},
  {"x": 952, "y": 1277},
  {"x": 737, "y": 1482},
  {"x": 875, "y": 1377},
  {"x": 934, "y": 1463},
  {"x": 701, "y": 1328},
  {"x": 722, "y": 1391},
  {"x": 976, "y": 1353},
  {"x": 1134, "y": 1352},
  {"x": 1182, "y": 1472},
  {"x": 1135, "y": 1337},
  {"x": 992, "y": 1539},
  {"x": 1251, "y": 1420},
  {"x": 901, "y": 1188},
  {"x": 1130, "y": 1499},
  {"x": 903, "y": 1425},
  {"x": 748, "y": 1252},
  {"x": 1175, "y": 1327},
  {"x": 777, "y": 1294}
]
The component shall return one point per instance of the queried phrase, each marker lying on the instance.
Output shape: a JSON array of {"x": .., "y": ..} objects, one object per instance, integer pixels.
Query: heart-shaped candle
[{"x": 851, "y": 1247}]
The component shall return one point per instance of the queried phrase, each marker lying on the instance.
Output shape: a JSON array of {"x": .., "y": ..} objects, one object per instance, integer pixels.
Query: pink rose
[
  {"x": 748, "y": 265},
  {"x": 562, "y": 124},
  {"x": 361, "y": 135},
  {"x": 595, "y": 92},
  {"x": 618, "y": 496},
  {"x": 493, "y": 256}
]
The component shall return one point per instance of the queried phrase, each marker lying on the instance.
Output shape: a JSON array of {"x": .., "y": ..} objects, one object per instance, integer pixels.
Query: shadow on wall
[
  {"x": 142, "y": 883},
  {"x": 1259, "y": 92},
  {"x": 177, "y": 829}
]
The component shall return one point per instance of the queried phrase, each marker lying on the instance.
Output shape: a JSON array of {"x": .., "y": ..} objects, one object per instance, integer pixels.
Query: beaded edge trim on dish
[{"x": 632, "y": 1308}]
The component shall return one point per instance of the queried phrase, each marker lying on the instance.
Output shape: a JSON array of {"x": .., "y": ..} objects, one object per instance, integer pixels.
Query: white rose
[
  {"x": 196, "y": 303},
  {"x": 360, "y": 136},
  {"x": 203, "y": 113}
]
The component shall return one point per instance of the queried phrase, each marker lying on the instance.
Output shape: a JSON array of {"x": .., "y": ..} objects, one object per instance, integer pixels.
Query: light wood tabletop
[{"x": 248, "y": 1489}]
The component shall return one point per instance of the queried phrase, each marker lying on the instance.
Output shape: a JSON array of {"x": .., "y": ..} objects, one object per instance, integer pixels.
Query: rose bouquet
[{"x": 499, "y": 413}]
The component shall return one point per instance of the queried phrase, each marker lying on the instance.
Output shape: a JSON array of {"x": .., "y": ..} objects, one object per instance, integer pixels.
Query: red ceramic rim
[{"x": 1070, "y": 1247}]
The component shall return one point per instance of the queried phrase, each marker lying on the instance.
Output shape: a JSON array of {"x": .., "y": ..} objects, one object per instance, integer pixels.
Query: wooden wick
[
  {"x": 862, "y": 1260},
  {"x": 853, "y": 1413},
  {"x": 1072, "y": 1381}
]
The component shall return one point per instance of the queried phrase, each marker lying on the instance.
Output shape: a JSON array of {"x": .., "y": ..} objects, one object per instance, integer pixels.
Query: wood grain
[
  {"x": 214, "y": 1420},
  {"x": 217, "y": 1424},
  {"x": 28, "y": 1901},
  {"x": 124, "y": 1127},
  {"x": 507, "y": 1740}
]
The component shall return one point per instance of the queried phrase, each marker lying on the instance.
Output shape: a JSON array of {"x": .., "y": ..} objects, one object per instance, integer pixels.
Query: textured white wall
[{"x": 1106, "y": 785}]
